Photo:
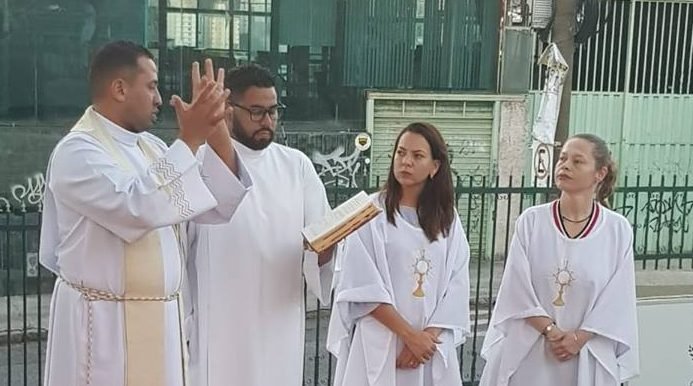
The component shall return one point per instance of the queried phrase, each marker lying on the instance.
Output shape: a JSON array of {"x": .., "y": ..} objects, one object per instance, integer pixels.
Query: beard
[{"x": 252, "y": 141}]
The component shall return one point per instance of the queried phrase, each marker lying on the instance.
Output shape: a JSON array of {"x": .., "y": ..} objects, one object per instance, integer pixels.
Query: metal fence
[
  {"x": 642, "y": 47},
  {"x": 659, "y": 210}
]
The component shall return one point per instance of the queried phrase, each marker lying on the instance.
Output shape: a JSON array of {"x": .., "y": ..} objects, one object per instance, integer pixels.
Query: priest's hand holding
[
  {"x": 200, "y": 118},
  {"x": 325, "y": 256}
]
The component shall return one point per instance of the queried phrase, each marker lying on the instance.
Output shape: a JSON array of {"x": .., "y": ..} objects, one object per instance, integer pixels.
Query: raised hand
[
  {"x": 196, "y": 89},
  {"x": 220, "y": 139},
  {"x": 199, "y": 119}
]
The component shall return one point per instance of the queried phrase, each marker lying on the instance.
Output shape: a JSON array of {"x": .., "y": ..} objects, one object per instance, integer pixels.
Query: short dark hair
[
  {"x": 113, "y": 57},
  {"x": 245, "y": 76},
  {"x": 436, "y": 206}
]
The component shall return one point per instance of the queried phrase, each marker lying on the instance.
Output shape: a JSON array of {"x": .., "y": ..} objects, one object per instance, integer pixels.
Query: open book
[{"x": 340, "y": 222}]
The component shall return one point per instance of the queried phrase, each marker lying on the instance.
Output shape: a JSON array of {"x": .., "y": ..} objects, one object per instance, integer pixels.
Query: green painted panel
[
  {"x": 466, "y": 126},
  {"x": 599, "y": 113},
  {"x": 658, "y": 160},
  {"x": 596, "y": 113},
  {"x": 659, "y": 119},
  {"x": 654, "y": 136}
]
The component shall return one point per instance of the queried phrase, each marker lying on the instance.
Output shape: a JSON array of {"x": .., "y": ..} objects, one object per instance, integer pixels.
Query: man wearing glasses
[{"x": 246, "y": 313}]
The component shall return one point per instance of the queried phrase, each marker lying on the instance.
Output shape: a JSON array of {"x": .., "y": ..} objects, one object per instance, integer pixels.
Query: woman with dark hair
[
  {"x": 402, "y": 300},
  {"x": 565, "y": 313}
]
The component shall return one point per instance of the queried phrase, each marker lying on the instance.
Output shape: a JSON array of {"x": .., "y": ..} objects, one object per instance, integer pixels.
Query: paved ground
[{"x": 13, "y": 370}]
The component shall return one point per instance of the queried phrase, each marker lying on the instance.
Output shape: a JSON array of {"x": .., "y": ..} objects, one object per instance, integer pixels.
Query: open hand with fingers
[
  {"x": 197, "y": 88},
  {"x": 220, "y": 138},
  {"x": 200, "y": 118}
]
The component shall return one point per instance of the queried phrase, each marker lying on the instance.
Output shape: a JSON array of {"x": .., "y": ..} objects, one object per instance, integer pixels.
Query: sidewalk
[
  {"x": 16, "y": 323},
  {"x": 664, "y": 283}
]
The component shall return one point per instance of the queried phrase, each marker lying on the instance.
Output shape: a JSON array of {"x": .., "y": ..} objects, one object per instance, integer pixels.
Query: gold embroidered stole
[{"x": 145, "y": 297}]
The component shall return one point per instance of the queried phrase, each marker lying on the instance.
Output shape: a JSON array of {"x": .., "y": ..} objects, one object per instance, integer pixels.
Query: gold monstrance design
[
  {"x": 563, "y": 277},
  {"x": 422, "y": 266}
]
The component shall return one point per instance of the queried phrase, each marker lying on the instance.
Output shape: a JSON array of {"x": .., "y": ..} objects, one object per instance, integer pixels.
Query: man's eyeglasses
[{"x": 258, "y": 113}]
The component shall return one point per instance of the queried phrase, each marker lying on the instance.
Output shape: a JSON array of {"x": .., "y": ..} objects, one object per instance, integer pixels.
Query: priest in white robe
[
  {"x": 247, "y": 317},
  {"x": 566, "y": 309},
  {"x": 394, "y": 263},
  {"x": 114, "y": 198}
]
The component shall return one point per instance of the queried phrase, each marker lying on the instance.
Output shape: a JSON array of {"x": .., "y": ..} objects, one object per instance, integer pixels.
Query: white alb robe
[
  {"x": 600, "y": 299},
  {"x": 92, "y": 209},
  {"x": 247, "y": 322},
  {"x": 377, "y": 266}
]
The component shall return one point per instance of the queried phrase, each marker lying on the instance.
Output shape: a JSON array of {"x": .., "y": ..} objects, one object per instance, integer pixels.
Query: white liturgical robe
[
  {"x": 105, "y": 194},
  {"x": 427, "y": 283},
  {"x": 585, "y": 283},
  {"x": 246, "y": 325}
]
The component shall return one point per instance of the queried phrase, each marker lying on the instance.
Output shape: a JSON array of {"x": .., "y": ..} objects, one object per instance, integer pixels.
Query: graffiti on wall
[
  {"x": 659, "y": 212},
  {"x": 338, "y": 167},
  {"x": 25, "y": 195},
  {"x": 665, "y": 219}
]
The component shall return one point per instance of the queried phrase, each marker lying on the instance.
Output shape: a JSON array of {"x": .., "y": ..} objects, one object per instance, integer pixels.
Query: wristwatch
[{"x": 548, "y": 328}]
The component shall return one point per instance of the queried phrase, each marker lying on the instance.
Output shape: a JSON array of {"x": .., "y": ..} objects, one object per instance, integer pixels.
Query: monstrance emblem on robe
[
  {"x": 564, "y": 277},
  {"x": 422, "y": 267}
]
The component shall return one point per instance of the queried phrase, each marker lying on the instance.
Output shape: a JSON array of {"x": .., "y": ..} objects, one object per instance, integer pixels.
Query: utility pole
[{"x": 563, "y": 34}]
